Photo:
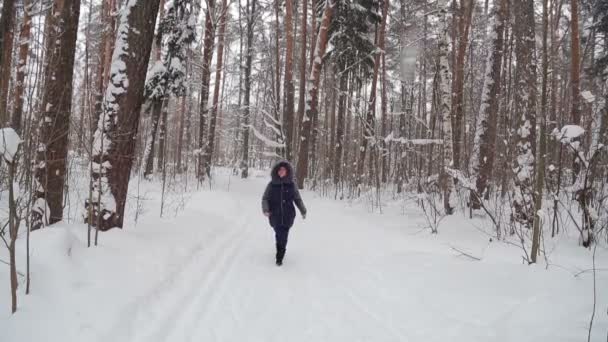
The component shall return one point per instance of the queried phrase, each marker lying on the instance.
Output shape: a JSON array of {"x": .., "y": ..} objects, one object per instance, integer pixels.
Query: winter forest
[{"x": 452, "y": 154}]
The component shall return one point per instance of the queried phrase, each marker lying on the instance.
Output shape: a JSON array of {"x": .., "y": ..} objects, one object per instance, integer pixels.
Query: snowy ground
[{"x": 207, "y": 274}]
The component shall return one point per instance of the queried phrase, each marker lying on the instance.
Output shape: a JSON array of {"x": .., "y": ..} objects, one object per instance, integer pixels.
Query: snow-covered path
[{"x": 209, "y": 275}]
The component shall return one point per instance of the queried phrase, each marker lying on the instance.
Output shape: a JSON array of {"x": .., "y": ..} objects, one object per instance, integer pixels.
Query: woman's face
[{"x": 282, "y": 172}]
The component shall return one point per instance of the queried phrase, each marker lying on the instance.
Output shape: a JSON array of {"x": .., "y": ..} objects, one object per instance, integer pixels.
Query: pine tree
[
  {"x": 113, "y": 150},
  {"x": 482, "y": 159},
  {"x": 353, "y": 23},
  {"x": 54, "y": 121},
  {"x": 312, "y": 101},
  {"x": 525, "y": 112},
  {"x": 176, "y": 31}
]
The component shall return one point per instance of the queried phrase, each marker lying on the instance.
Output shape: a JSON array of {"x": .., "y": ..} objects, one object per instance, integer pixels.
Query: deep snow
[{"x": 208, "y": 274}]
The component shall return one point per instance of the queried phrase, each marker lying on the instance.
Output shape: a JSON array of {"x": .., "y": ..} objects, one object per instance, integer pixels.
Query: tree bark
[
  {"x": 247, "y": 93},
  {"x": 117, "y": 128},
  {"x": 205, "y": 78},
  {"x": 288, "y": 107},
  {"x": 24, "y": 48},
  {"x": 575, "y": 66},
  {"x": 525, "y": 112},
  {"x": 313, "y": 92},
  {"x": 446, "y": 180},
  {"x": 52, "y": 152},
  {"x": 482, "y": 160},
  {"x": 464, "y": 24},
  {"x": 216, "y": 90},
  {"x": 7, "y": 22},
  {"x": 302, "y": 84},
  {"x": 339, "y": 147}
]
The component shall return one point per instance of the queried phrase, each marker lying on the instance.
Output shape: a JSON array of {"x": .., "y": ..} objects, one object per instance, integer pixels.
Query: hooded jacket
[{"x": 280, "y": 196}]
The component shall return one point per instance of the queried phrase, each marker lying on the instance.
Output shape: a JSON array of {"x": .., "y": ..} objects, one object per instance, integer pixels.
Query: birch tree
[{"x": 446, "y": 180}]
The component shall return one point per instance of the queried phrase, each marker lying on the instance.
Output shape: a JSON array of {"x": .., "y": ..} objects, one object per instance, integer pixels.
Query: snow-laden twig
[{"x": 460, "y": 252}]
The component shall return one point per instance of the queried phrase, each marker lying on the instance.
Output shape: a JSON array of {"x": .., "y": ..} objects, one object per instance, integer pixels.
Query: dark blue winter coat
[{"x": 280, "y": 196}]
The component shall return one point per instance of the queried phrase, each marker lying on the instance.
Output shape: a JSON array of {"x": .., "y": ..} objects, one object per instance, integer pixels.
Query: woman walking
[{"x": 278, "y": 205}]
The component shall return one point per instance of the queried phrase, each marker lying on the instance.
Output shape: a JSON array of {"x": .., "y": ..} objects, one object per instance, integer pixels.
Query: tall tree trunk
[
  {"x": 575, "y": 73},
  {"x": 51, "y": 159},
  {"x": 313, "y": 91},
  {"x": 162, "y": 135},
  {"x": 464, "y": 24},
  {"x": 155, "y": 108},
  {"x": 575, "y": 67},
  {"x": 339, "y": 146},
  {"x": 216, "y": 90},
  {"x": 180, "y": 133},
  {"x": 288, "y": 107},
  {"x": 384, "y": 96},
  {"x": 540, "y": 174},
  {"x": 302, "y": 84},
  {"x": 313, "y": 46},
  {"x": 447, "y": 182},
  {"x": 247, "y": 82},
  {"x": 277, "y": 56},
  {"x": 205, "y": 78},
  {"x": 24, "y": 48},
  {"x": 482, "y": 160},
  {"x": 105, "y": 56},
  {"x": 525, "y": 112},
  {"x": 117, "y": 128},
  {"x": 7, "y": 22}
]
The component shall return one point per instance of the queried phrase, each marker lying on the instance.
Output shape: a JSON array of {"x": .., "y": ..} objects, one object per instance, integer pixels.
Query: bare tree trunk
[
  {"x": 205, "y": 78},
  {"x": 105, "y": 55},
  {"x": 302, "y": 85},
  {"x": 482, "y": 160},
  {"x": 384, "y": 96},
  {"x": 13, "y": 232},
  {"x": 216, "y": 91},
  {"x": 277, "y": 56},
  {"x": 247, "y": 94},
  {"x": 525, "y": 112},
  {"x": 288, "y": 107},
  {"x": 575, "y": 73},
  {"x": 342, "y": 94},
  {"x": 575, "y": 66},
  {"x": 6, "y": 52},
  {"x": 162, "y": 135},
  {"x": 51, "y": 159},
  {"x": 447, "y": 182},
  {"x": 313, "y": 92},
  {"x": 464, "y": 24},
  {"x": 180, "y": 133},
  {"x": 540, "y": 173},
  {"x": 117, "y": 128},
  {"x": 24, "y": 47}
]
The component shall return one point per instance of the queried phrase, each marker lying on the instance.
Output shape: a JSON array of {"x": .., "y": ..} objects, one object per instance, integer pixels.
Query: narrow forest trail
[{"x": 208, "y": 274}]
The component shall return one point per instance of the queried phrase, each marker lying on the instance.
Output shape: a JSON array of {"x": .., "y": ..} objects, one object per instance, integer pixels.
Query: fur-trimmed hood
[{"x": 275, "y": 175}]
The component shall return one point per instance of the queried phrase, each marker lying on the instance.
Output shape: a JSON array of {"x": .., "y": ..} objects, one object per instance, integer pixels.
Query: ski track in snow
[{"x": 181, "y": 296}]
